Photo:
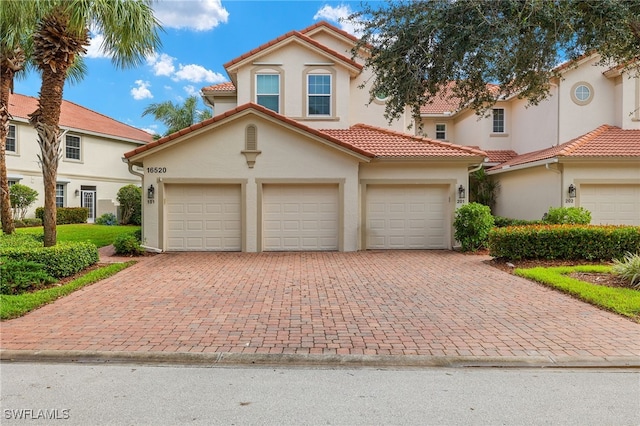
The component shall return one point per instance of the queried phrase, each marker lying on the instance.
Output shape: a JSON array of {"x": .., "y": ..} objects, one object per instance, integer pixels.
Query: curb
[{"x": 229, "y": 359}]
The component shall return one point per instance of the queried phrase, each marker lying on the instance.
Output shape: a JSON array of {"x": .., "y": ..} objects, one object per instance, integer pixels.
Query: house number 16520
[{"x": 156, "y": 170}]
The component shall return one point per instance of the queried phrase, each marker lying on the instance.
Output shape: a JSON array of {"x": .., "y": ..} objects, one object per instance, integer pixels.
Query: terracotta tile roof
[
  {"x": 227, "y": 86},
  {"x": 443, "y": 102},
  {"x": 605, "y": 141},
  {"x": 447, "y": 101},
  {"x": 384, "y": 143},
  {"x": 303, "y": 38},
  {"x": 78, "y": 117},
  {"x": 325, "y": 24},
  {"x": 500, "y": 156},
  {"x": 237, "y": 110},
  {"x": 365, "y": 140}
]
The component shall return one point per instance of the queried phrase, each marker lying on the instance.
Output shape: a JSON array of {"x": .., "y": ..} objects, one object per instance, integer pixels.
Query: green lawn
[
  {"x": 12, "y": 306},
  {"x": 624, "y": 301},
  {"x": 100, "y": 235}
]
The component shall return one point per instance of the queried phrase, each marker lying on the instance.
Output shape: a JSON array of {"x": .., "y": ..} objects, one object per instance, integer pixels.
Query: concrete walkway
[{"x": 411, "y": 307}]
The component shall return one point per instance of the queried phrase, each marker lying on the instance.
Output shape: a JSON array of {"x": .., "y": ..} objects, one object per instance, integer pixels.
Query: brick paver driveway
[{"x": 391, "y": 303}]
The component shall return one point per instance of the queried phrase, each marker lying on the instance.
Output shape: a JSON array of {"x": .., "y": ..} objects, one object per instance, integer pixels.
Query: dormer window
[
  {"x": 268, "y": 91},
  {"x": 319, "y": 94}
]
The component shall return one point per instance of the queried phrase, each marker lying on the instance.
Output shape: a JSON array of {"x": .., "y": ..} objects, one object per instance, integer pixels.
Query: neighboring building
[
  {"x": 90, "y": 171},
  {"x": 586, "y": 136},
  {"x": 295, "y": 158}
]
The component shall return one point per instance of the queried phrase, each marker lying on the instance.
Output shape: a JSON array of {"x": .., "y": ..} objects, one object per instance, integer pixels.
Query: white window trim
[
  {"x": 64, "y": 193},
  {"x": 80, "y": 148},
  {"x": 330, "y": 95},
  {"x": 504, "y": 122},
  {"x": 444, "y": 131},
  {"x": 279, "y": 94},
  {"x": 15, "y": 140}
]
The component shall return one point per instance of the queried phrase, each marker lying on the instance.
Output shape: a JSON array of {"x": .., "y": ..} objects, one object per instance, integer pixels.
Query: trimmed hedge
[
  {"x": 67, "y": 215},
  {"x": 502, "y": 222},
  {"x": 59, "y": 261},
  {"x": 564, "y": 242}
]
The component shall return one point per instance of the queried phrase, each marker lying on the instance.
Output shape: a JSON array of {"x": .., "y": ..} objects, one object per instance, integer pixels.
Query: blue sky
[{"x": 200, "y": 36}]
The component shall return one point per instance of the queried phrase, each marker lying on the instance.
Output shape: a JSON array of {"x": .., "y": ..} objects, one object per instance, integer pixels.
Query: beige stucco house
[
  {"x": 585, "y": 136},
  {"x": 295, "y": 158},
  {"x": 90, "y": 171}
]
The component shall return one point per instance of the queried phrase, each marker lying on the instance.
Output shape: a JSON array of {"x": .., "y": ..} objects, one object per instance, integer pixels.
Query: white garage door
[
  {"x": 300, "y": 217},
  {"x": 407, "y": 217},
  {"x": 612, "y": 204},
  {"x": 203, "y": 217}
]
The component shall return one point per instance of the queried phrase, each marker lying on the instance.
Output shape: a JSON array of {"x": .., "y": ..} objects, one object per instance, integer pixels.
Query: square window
[
  {"x": 319, "y": 90},
  {"x": 11, "y": 145},
  {"x": 72, "y": 147},
  {"x": 268, "y": 91},
  {"x": 441, "y": 131},
  {"x": 60, "y": 195},
  {"x": 498, "y": 120}
]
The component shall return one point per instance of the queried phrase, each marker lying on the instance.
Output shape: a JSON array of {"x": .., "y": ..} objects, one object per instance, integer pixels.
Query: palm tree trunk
[
  {"x": 45, "y": 120},
  {"x": 8, "y": 67},
  {"x": 55, "y": 48}
]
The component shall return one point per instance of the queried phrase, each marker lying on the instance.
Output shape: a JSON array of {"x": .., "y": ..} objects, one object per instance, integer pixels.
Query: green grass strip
[
  {"x": 624, "y": 301},
  {"x": 13, "y": 306}
]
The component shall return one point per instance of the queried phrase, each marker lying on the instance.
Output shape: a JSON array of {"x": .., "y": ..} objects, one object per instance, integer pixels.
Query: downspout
[{"x": 141, "y": 176}]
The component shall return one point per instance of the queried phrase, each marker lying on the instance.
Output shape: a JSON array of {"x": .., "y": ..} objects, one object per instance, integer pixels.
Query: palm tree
[
  {"x": 16, "y": 25},
  {"x": 130, "y": 34},
  {"x": 177, "y": 117}
]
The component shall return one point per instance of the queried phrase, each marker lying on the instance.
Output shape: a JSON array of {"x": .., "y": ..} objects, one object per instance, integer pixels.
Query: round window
[{"x": 582, "y": 93}]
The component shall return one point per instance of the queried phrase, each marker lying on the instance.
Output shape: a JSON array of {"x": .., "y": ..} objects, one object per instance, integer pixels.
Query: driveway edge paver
[{"x": 222, "y": 359}]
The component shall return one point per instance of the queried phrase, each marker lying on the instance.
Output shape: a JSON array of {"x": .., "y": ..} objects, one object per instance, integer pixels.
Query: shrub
[
  {"x": 31, "y": 222},
  {"x": 130, "y": 199},
  {"x": 563, "y": 242},
  {"x": 127, "y": 245},
  {"x": 22, "y": 197},
  {"x": 483, "y": 188},
  {"x": 107, "y": 219},
  {"x": 67, "y": 215},
  {"x": 19, "y": 240},
  {"x": 472, "y": 224},
  {"x": 568, "y": 215},
  {"x": 19, "y": 276},
  {"x": 501, "y": 222},
  {"x": 138, "y": 234},
  {"x": 59, "y": 261},
  {"x": 628, "y": 269}
]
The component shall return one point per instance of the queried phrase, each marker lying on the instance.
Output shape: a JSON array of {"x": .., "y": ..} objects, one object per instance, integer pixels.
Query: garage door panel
[
  {"x": 300, "y": 217},
  {"x": 203, "y": 217},
  {"x": 614, "y": 204},
  {"x": 406, "y": 217}
]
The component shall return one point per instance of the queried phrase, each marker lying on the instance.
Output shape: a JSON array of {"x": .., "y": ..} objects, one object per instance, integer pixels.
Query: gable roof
[
  {"x": 297, "y": 35},
  {"x": 385, "y": 143},
  {"x": 239, "y": 110},
  {"x": 227, "y": 86},
  {"x": 604, "y": 142},
  {"x": 361, "y": 139},
  {"x": 76, "y": 117},
  {"x": 327, "y": 26}
]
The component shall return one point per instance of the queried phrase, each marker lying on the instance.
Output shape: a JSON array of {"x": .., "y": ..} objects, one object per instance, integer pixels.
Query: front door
[{"x": 89, "y": 201}]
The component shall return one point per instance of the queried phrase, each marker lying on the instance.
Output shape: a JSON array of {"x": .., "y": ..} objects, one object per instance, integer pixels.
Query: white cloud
[
  {"x": 162, "y": 64},
  {"x": 197, "y": 73},
  {"x": 94, "y": 50},
  {"x": 191, "y": 90},
  {"x": 142, "y": 91},
  {"x": 198, "y": 15},
  {"x": 338, "y": 15}
]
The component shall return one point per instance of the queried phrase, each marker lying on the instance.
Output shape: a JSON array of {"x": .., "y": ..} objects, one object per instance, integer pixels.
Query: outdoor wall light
[
  {"x": 151, "y": 192},
  {"x": 461, "y": 192},
  {"x": 572, "y": 191},
  {"x": 77, "y": 192}
]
